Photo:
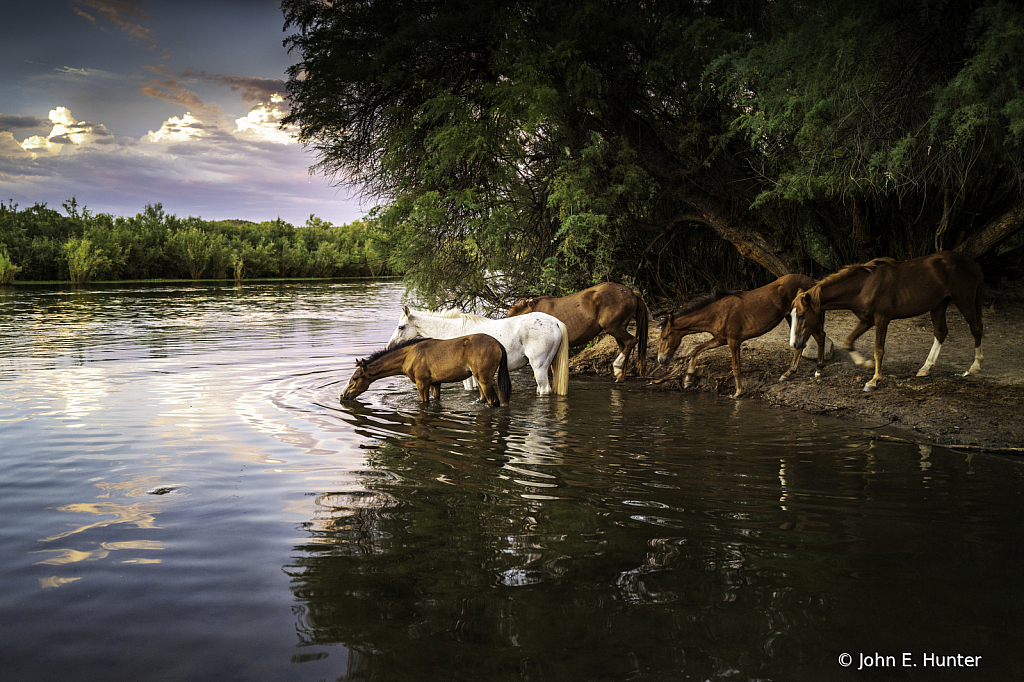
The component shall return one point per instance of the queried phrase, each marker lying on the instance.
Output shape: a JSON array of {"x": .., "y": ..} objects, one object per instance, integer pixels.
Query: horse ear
[
  {"x": 405, "y": 309},
  {"x": 361, "y": 363}
]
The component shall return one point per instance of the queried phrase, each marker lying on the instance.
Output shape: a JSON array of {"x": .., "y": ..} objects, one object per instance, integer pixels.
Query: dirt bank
[{"x": 981, "y": 411}]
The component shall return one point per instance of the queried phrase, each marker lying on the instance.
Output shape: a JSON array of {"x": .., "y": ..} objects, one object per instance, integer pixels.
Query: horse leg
[
  {"x": 859, "y": 330},
  {"x": 692, "y": 366},
  {"x": 423, "y": 389},
  {"x": 469, "y": 384},
  {"x": 819, "y": 338},
  {"x": 541, "y": 375},
  {"x": 972, "y": 313},
  {"x": 734, "y": 347},
  {"x": 880, "y": 329},
  {"x": 486, "y": 386},
  {"x": 435, "y": 391},
  {"x": 941, "y": 330},
  {"x": 626, "y": 342},
  {"x": 793, "y": 365}
]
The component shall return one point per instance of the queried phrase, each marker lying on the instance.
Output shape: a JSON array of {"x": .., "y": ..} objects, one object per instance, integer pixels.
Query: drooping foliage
[{"x": 542, "y": 146}]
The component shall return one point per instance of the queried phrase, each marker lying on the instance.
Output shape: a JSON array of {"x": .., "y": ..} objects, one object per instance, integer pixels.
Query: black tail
[
  {"x": 642, "y": 317},
  {"x": 504, "y": 380}
]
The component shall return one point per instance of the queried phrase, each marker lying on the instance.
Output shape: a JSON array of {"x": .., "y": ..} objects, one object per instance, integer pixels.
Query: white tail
[{"x": 560, "y": 367}]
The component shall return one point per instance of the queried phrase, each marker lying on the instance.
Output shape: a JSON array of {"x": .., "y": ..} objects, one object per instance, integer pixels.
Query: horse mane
[
  {"x": 459, "y": 315},
  {"x": 704, "y": 301},
  {"x": 378, "y": 354},
  {"x": 847, "y": 271}
]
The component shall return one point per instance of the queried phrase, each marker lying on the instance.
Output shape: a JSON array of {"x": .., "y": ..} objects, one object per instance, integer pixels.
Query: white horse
[{"x": 537, "y": 338}]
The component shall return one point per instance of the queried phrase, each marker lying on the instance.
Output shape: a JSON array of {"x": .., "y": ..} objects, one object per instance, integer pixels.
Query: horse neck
[
  {"x": 698, "y": 320},
  {"x": 387, "y": 365},
  {"x": 442, "y": 327},
  {"x": 841, "y": 292}
]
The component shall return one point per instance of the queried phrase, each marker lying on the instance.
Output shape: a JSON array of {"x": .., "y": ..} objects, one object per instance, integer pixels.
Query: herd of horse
[{"x": 432, "y": 348}]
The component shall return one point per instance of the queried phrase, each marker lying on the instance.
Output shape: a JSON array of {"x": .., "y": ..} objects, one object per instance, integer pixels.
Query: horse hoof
[
  {"x": 922, "y": 372},
  {"x": 783, "y": 378},
  {"x": 687, "y": 384},
  {"x": 868, "y": 388},
  {"x": 817, "y": 374}
]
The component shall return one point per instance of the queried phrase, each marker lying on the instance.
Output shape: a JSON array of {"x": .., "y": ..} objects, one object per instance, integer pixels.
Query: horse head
[
  {"x": 805, "y": 318},
  {"x": 405, "y": 330},
  {"x": 359, "y": 382},
  {"x": 521, "y": 307},
  {"x": 669, "y": 339}
]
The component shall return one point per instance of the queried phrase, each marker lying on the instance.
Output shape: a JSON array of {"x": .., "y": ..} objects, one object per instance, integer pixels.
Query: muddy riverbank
[{"x": 981, "y": 411}]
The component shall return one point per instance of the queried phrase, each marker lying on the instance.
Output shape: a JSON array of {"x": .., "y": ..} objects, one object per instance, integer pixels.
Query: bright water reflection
[{"x": 185, "y": 498}]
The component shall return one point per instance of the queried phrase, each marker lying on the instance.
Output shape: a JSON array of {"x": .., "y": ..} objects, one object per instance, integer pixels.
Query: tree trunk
[
  {"x": 996, "y": 231},
  {"x": 748, "y": 241}
]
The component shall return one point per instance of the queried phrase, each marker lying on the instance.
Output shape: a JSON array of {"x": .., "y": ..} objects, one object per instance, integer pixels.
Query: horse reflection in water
[
  {"x": 733, "y": 318},
  {"x": 883, "y": 290},
  {"x": 432, "y": 362}
]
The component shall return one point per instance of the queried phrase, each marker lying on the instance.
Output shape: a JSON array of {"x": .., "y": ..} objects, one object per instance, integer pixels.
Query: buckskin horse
[
  {"x": 604, "y": 307},
  {"x": 885, "y": 289},
  {"x": 538, "y": 339},
  {"x": 432, "y": 362},
  {"x": 734, "y": 317}
]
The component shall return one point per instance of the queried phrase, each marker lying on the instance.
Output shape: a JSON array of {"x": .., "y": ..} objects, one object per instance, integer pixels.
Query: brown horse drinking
[
  {"x": 884, "y": 290},
  {"x": 733, "y": 318},
  {"x": 432, "y": 362},
  {"x": 604, "y": 307}
]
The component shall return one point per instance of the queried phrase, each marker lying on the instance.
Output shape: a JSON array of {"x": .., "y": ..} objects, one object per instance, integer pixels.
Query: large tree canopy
[{"x": 542, "y": 146}]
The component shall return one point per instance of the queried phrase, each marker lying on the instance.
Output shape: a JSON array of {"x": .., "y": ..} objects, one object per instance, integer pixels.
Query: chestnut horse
[
  {"x": 432, "y": 362},
  {"x": 604, "y": 307},
  {"x": 883, "y": 290},
  {"x": 733, "y": 318}
]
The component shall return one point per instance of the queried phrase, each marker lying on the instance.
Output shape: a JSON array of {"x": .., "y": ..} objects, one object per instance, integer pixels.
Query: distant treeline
[{"x": 42, "y": 244}]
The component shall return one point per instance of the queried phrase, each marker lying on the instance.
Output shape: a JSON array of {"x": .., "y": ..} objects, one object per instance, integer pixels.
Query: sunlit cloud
[
  {"x": 200, "y": 163},
  {"x": 66, "y": 131},
  {"x": 176, "y": 129},
  {"x": 263, "y": 122}
]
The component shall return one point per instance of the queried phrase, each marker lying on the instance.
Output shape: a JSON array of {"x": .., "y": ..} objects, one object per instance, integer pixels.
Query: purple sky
[{"x": 123, "y": 103}]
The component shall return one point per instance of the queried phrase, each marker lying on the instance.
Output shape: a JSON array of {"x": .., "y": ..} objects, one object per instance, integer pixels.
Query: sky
[{"x": 123, "y": 103}]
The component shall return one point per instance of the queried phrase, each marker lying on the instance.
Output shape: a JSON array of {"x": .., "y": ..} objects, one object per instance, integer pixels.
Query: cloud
[
  {"x": 66, "y": 131},
  {"x": 171, "y": 90},
  {"x": 251, "y": 89},
  {"x": 125, "y": 14},
  {"x": 176, "y": 129},
  {"x": 10, "y": 122},
  {"x": 263, "y": 123},
  {"x": 194, "y": 166}
]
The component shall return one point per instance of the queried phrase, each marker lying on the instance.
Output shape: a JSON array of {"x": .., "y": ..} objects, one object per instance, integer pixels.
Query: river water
[{"x": 184, "y": 498}]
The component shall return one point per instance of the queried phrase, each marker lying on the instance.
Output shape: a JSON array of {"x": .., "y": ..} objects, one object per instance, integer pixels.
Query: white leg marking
[
  {"x": 620, "y": 360},
  {"x": 929, "y": 362},
  {"x": 792, "y": 328},
  {"x": 857, "y": 358},
  {"x": 543, "y": 385},
  {"x": 978, "y": 357}
]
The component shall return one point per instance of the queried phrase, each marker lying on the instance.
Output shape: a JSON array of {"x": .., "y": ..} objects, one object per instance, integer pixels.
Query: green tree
[
  {"x": 606, "y": 139},
  {"x": 84, "y": 260},
  {"x": 8, "y": 270}
]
